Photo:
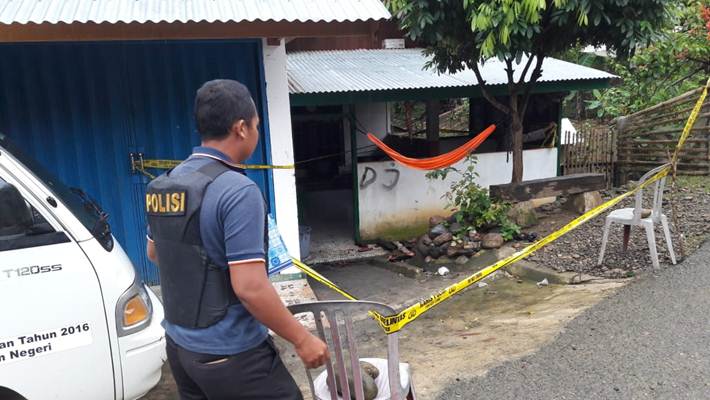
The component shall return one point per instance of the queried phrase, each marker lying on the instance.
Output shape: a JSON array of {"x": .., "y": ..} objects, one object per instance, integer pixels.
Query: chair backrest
[
  {"x": 332, "y": 312},
  {"x": 658, "y": 186}
]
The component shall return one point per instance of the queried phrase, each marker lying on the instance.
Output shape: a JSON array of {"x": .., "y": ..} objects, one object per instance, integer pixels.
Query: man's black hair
[{"x": 219, "y": 104}]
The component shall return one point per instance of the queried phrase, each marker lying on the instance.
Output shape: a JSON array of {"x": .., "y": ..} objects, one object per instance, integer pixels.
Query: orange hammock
[{"x": 440, "y": 161}]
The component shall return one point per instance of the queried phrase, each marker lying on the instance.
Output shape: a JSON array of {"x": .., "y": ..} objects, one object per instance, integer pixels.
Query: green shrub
[{"x": 475, "y": 208}]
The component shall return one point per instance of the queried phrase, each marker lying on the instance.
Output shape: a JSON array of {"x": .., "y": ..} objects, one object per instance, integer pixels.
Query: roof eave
[
  {"x": 421, "y": 94},
  {"x": 62, "y": 32}
]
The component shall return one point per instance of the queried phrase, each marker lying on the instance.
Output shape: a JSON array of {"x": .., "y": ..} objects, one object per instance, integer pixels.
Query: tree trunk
[
  {"x": 408, "y": 119},
  {"x": 516, "y": 129},
  {"x": 433, "y": 108}
]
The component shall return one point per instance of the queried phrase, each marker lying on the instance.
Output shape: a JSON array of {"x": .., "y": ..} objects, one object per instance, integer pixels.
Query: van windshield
[{"x": 85, "y": 209}]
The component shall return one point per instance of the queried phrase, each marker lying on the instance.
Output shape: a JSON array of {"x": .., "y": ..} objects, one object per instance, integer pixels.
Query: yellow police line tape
[
  {"x": 167, "y": 164},
  {"x": 322, "y": 279},
  {"x": 394, "y": 323}
]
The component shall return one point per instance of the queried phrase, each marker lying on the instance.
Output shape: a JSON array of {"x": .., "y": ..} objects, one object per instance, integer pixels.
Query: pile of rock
[{"x": 444, "y": 239}]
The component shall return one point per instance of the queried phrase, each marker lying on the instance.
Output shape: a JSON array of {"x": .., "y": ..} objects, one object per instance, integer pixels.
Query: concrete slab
[{"x": 534, "y": 272}]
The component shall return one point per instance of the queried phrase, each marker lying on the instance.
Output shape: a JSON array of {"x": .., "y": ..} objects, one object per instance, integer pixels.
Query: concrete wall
[
  {"x": 374, "y": 118},
  {"x": 407, "y": 206},
  {"x": 279, "y": 109}
]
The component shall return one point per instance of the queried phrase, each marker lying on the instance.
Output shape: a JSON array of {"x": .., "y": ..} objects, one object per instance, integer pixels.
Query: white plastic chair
[
  {"x": 638, "y": 216},
  {"x": 395, "y": 380}
]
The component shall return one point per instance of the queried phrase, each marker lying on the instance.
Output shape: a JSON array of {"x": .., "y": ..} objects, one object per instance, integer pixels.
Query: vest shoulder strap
[{"x": 215, "y": 168}]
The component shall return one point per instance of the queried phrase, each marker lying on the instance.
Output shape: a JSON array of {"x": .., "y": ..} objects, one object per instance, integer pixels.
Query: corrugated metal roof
[
  {"x": 142, "y": 11},
  {"x": 374, "y": 70}
]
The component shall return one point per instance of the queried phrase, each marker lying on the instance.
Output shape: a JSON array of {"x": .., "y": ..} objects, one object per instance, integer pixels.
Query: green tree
[
  {"x": 521, "y": 33},
  {"x": 677, "y": 61}
]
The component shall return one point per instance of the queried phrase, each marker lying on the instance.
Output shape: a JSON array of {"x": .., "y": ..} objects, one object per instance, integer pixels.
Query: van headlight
[{"x": 134, "y": 309}]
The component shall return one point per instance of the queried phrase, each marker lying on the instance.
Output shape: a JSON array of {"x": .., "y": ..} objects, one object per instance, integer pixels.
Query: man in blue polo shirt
[{"x": 207, "y": 236}]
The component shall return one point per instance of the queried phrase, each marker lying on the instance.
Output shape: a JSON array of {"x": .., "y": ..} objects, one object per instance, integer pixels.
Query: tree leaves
[
  {"x": 494, "y": 27},
  {"x": 460, "y": 33},
  {"x": 678, "y": 60}
]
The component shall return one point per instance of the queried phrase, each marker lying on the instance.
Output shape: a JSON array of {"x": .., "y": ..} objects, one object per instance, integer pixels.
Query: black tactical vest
[{"x": 196, "y": 292}]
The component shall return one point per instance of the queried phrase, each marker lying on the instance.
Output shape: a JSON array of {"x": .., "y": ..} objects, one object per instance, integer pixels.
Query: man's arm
[
  {"x": 150, "y": 251},
  {"x": 243, "y": 216},
  {"x": 257, "y": 294}
]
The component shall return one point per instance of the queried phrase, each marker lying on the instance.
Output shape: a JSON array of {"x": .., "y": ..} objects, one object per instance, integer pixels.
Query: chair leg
[
  {"x": 310, "y": 382},
  {"x": 605, "y": 237},
  {"x": 667, "y": 234},
  {"x": 412, "y": 395},
  {"x": 627, "y": 237},
  {"x": 651, "y": 237}
]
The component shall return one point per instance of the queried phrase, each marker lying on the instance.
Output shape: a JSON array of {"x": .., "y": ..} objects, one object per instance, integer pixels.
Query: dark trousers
[{"x": 256, "y": 374}]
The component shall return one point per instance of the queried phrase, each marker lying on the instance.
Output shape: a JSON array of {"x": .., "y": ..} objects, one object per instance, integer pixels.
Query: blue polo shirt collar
[{"x": 210, "y": 152}]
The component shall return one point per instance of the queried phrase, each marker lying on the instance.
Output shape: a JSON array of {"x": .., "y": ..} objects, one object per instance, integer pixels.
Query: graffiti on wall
[{"x": 390, "y": 180}]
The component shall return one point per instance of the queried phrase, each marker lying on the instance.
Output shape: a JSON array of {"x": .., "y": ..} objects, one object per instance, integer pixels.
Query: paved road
[{"x": 651, "y": 340}]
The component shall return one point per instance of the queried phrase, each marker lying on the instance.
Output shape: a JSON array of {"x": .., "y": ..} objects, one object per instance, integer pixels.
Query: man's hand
[
  {"x": 313, "y": 351},
  {"x": 151, "y": 252}
]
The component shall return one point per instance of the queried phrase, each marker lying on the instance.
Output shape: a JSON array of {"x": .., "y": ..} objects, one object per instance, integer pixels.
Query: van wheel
[{"x": 8, "y": 394}]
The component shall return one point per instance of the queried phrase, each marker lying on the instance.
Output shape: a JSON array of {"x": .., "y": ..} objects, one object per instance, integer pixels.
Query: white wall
[
  {"x": 415, "y": 198},
  {"x": 279, "y": 109},
  {"x": 373, "y": 118}
]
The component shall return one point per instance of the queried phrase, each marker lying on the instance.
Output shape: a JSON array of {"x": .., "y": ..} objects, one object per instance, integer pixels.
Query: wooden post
[
  {"x": 570, "y": 153},
  {"x": 614, "y": 158},
  {"x": 595, "y": 155},
  {"x": 581, "y": 152},
  {"x": 592, "y": 150},
  {"x": 610, "y": 146},
  {"x": 565, "y": 150},
  {"x": 599, "y": 152},
  {"x": 579, "y": 141},
  {"x": 356, "y": 187},
  {"x": 558, "y": 136},
  {"x": 433, "y": 108},
  {"x": 589, "y": 153},
  {"x": 609, "y": 158},
  {"x": 621, "y": 139}
]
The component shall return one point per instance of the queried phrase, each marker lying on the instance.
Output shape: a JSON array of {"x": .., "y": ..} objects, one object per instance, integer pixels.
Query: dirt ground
[
  {"x": 461, "y": 338},
  {"x": 475, "y": 331}
]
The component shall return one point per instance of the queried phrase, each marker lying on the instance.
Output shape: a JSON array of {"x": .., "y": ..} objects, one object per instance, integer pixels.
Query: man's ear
[{"x": 239, "y": 129}]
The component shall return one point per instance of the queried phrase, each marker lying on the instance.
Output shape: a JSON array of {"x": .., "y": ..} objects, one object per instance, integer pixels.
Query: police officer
[{"x": 207, "y": 236}]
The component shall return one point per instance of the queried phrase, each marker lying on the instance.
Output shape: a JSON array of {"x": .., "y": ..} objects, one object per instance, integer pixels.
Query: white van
[{"x": 76, "y": 322}]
